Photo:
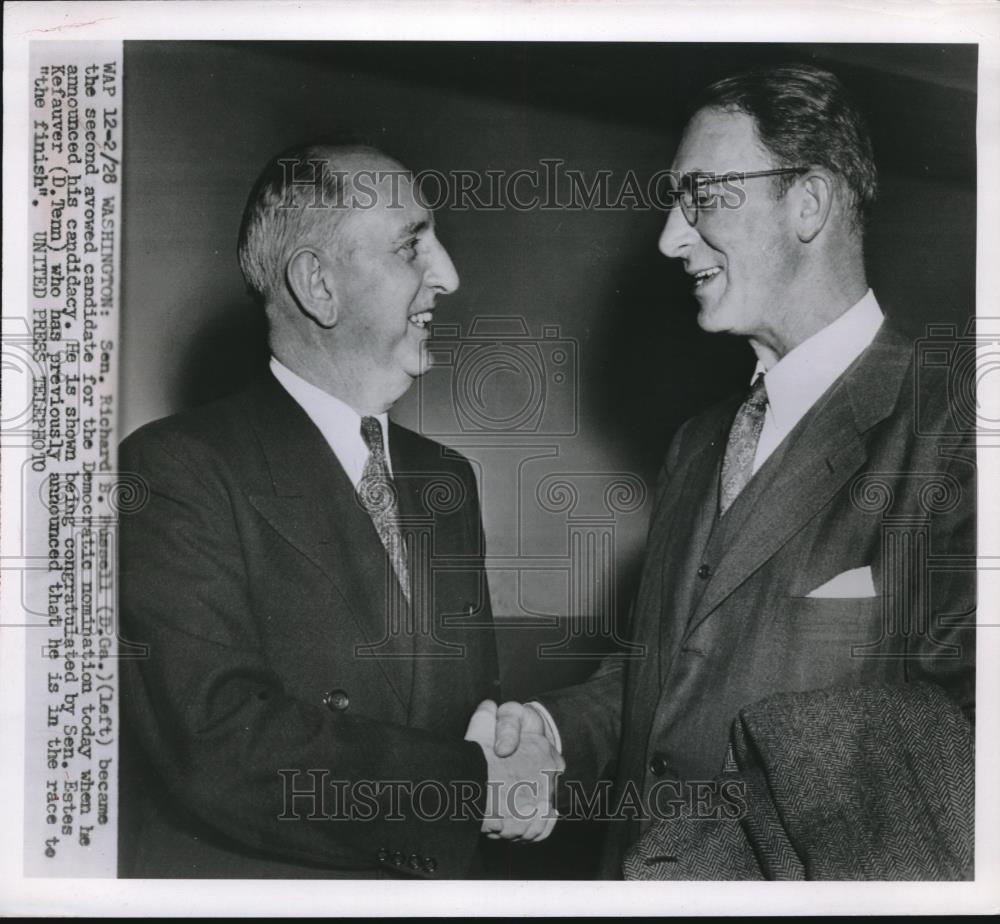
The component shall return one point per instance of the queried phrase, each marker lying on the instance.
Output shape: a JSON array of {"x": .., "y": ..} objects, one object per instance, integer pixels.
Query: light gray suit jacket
[{"x": 877, "y": 474}]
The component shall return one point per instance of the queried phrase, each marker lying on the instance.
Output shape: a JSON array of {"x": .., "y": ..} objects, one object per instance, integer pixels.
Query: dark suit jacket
[
  {"x": 255, "y": 580},
  {"x": 870, "y": 477}
]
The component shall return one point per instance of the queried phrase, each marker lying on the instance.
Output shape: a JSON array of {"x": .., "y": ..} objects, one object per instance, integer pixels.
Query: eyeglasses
[{"x": 693, "y": 192}]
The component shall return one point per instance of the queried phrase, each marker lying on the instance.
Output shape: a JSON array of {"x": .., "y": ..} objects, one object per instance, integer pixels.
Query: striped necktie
[
  {"x": 378, "y": 495},
  {"x": 737, "y": 464}
]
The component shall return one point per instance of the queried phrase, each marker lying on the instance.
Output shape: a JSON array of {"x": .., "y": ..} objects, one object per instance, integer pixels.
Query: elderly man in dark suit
[
  {"x": 793, "y": 527},
  {"x": 309, "y": 664}
]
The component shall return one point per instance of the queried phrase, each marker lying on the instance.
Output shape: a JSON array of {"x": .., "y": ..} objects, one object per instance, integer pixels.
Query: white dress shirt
[
  {"x": 339, "y": 423},
  {"x": 796, "y": 381}
]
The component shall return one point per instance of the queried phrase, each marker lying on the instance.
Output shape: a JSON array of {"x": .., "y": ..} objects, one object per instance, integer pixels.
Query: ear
[
  {"x": 308, "y": 281},
  {"x": 813, "y": 204}
]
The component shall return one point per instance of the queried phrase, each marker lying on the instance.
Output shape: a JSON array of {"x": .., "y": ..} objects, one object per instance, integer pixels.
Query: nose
[
  {"x": 677, "y": 235},
  {"x": 440, "y": 273}
]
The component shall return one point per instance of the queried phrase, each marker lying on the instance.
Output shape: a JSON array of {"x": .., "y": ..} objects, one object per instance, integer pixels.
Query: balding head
[
  {"x": 345, "y": 259},
  {"x": 300, "y": 199}
]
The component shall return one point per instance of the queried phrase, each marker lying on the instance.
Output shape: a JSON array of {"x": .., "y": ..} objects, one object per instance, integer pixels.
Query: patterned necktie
[
  {"x": 737, "y": 466},
  {"x": 378, "y": 495}
]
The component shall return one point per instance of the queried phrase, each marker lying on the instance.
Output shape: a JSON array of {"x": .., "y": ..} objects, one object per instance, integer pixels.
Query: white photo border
[{"x": 859, "y": 21}]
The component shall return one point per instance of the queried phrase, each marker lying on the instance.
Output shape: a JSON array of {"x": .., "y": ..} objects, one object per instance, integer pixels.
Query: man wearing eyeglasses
[{"x": 787, "y": 554}]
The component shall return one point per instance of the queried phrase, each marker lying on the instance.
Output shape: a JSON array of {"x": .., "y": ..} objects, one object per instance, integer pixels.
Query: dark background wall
[{"x": 202, "y": 118}]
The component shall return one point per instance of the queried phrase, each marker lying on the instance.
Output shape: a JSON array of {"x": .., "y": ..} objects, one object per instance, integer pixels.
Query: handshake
[{"x": 523, "y": 762}]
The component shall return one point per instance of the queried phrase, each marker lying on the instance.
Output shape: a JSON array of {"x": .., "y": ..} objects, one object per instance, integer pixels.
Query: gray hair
[
  {"x": 298, "y": 199},
  {"x": 804, "y": 115}
]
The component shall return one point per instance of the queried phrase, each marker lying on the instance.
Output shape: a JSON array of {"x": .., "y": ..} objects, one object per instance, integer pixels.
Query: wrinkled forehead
[{"x": 720, "y": 141}]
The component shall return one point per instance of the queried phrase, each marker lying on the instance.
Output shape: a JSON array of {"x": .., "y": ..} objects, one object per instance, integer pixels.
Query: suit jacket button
[
  {"x": 398, "y": 858},
  {"x": 704, "y": 572},
  {"x": 382, "y": 854},
  {"x": 658, "y": 765},
  {"x": 413, "y": 861},
  {"x": 336, "y": 700},
  {"x": 430, "y": 864}
]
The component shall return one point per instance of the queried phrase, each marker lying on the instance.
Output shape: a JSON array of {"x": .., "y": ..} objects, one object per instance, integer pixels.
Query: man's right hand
[
  {"x": 514, "y": 720},
  {"x": 522, "y": 764}
]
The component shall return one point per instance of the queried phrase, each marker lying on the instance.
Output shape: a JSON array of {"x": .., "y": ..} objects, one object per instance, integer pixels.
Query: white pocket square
[{"x": 854, "y": 583}]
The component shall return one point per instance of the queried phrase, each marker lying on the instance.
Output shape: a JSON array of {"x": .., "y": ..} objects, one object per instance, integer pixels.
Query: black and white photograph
[{"x": 543, "y": 455}]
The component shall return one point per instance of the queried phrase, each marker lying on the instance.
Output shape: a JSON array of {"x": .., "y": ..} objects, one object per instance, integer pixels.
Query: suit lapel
[
  {"x": 311, "y": 502},
  {"x": 824, "y": 450},
  {"x": 808, "y": 475},
  {"x": 447, "y": 659}
]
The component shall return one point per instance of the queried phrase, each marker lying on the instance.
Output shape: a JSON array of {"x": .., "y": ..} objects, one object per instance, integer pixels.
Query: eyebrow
[{"x": 416, "y": 227}]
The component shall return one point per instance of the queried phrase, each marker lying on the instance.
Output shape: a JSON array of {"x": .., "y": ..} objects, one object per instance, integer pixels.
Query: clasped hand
[{"x": 522, "y": 765}]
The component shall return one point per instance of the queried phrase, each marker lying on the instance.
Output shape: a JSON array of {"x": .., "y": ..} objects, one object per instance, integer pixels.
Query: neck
[
  {"x": 363, "y": 393},
  {"x": 814, "y": 302}
]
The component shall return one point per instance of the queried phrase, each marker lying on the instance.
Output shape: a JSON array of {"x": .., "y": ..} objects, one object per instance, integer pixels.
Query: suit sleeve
[
  {"x": 945, "y": 652},
  {"x": 229, "y": 745},
  {"x": 589, "y": 715}
]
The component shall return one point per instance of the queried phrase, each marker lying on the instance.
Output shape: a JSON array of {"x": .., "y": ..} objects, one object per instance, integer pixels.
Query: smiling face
[
  {"x": 387, "y": 268},
  {"x": 742, "y": 259}
]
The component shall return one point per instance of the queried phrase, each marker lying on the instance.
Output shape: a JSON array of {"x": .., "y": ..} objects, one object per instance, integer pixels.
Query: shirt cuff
[{"x": 551, "y": 731}]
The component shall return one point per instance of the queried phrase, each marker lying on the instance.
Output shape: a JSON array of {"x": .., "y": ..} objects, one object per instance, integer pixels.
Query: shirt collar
[
  {"x": 339, "y": 423},
  {"x": 797, "y": 380}
]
